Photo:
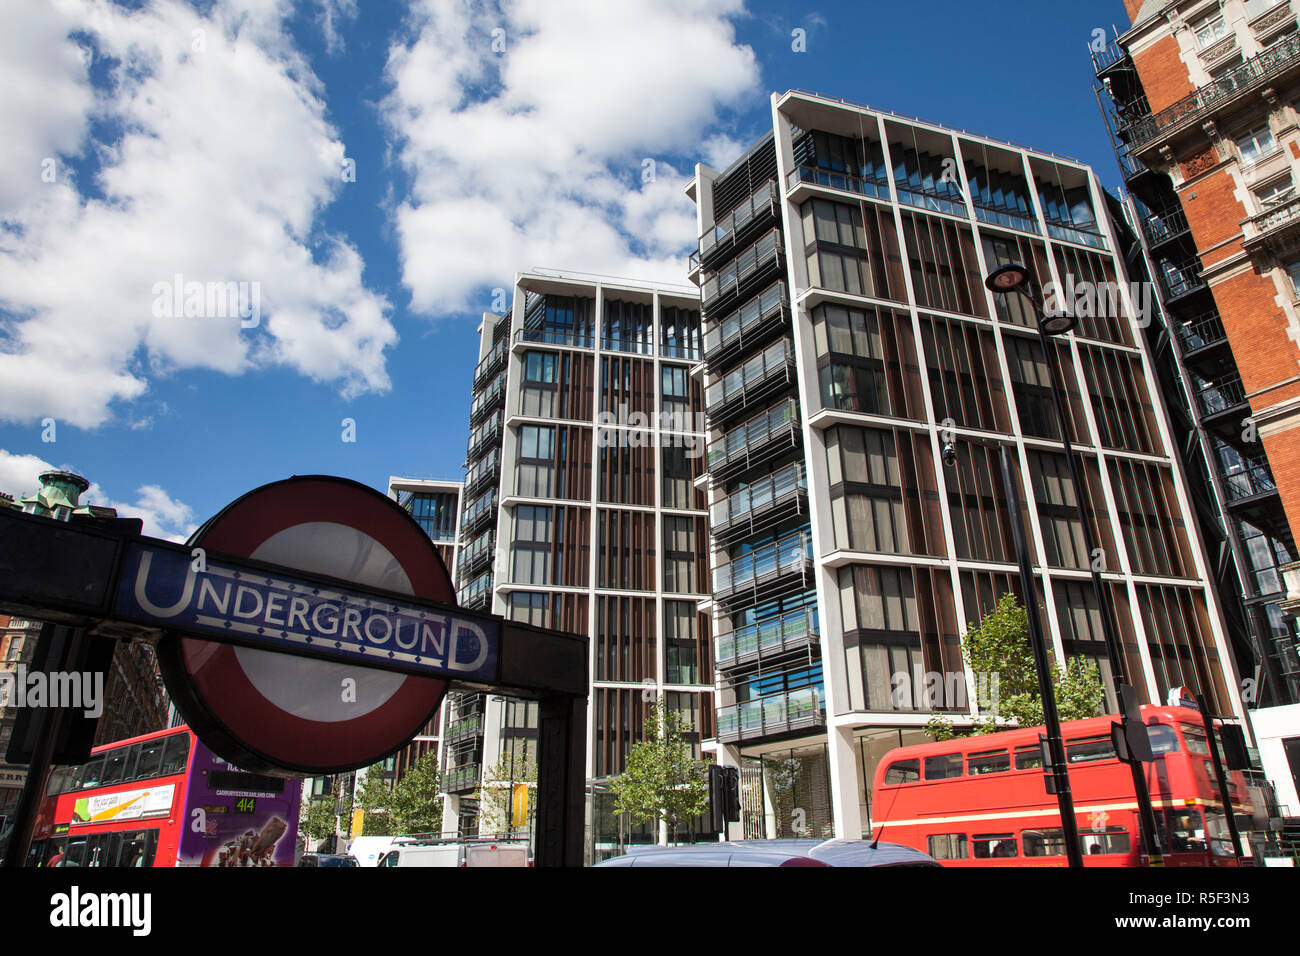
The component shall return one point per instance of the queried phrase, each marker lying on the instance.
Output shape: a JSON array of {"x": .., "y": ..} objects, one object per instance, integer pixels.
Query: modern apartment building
[
  {"x": 847, "y": 335},
  {"x": 1200, "y": 100},
  {"x": 583, "y": 513}
]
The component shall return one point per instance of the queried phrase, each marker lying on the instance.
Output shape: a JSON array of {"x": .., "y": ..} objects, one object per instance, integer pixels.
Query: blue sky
[{"x": 209, "y": 139}]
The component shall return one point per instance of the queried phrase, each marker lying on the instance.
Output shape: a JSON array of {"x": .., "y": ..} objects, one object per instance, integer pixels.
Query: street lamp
[
  {"x": 1016, "y": 278},
  {"x": 1051, "y": 719}
]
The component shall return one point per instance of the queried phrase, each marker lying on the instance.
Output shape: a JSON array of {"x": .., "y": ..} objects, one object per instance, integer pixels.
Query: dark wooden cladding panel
[
  {"x": 573, "y": 463},
  {"x": 627, "y": 473},
  {"x": 704, "y": 629},
  {"x": 627, "y": 386},
  {"x": 626, "y": 639},
  {"x": 627, "y": 550},
  {"x": 702, "y": 556},
  {"x": 577, "y": 386},
  {"x": 575, "y": 541},
  {"x": 620, "y": 718}
]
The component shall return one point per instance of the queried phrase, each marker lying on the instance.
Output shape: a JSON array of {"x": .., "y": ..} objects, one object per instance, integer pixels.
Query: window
[
  {"x": 1043, "y": 842},
  {"x": 1088, "y": 749},
  {"x": 948, "y": 846},
  {"x": 1196, "y": 742},
  {"x": 989, "y": 846},
  {"x": 119, "y": 765},
  {"x": 679, "y": 555},
  {"x": 1029, "y": 758},
  {"x": 537, "y": 395},
  {"x": 1276, "y": 194},
  {"x": 903, "y": 771},
  {"x": 1210, "y": 29},
  {"x": 988, "y": 761},
  {"x": 1108, "y": 840},
  {"x": 537, "y": 462},
  {"x": 1255, "y": 145},
  {"x": 529, "y": 608},
  {"x": 1293, "y": 273},
  {"x": 176, "y": 756},
  {"x": 867, "y": 499},
  {"x": 1163, "y": 739},
  {"x": 534, "y": 534},
  {"x": 676, "y": 401},
  {"x": 943, "y": 767}
]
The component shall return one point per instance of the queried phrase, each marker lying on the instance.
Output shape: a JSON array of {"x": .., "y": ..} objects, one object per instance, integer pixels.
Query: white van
[{"x": 457, "y": 854}]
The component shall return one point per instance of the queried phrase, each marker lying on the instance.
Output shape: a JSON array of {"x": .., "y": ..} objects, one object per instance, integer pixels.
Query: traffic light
[{"x": 1235, "y": 755}]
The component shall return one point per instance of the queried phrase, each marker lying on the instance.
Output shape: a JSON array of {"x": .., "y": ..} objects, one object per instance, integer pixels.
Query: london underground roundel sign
[{"x": 276, "y": 712}]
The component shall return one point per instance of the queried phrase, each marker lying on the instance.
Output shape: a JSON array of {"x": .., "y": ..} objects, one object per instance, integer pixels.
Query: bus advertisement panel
[{"x": 236, "y": 818}]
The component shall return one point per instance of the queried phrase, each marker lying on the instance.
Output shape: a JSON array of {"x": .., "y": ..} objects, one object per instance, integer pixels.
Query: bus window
[
  {"x": 150, "y": 759},
  {"x": 176, "y": 755},
  {"x": 75, "y": 852},
  {"x": 138, "y": 848},
  {"x": 88, "y": 774},
  {"x": 943, "y": 767},
  {"x": 1107, "y": 840},
  {"x": 948, "y": 846},
  {"x": 1043, "y": 842},
  {"x": 118, "y": 765},
  {"x": 1086, "y": 749},
  {"x": 987, "y": 761},
  {"x": 1184, "y": 831},
  {"x": 1029, "y": 758},
  {"x": 1164, "y": 740},
  {"x": 900, "y": 771},
  {"x": 1195, "y": 737},
  {"x": 988, "y": 846},
  {"x": 60, "y": 780},
  {"x": 1216, "y": 827}
]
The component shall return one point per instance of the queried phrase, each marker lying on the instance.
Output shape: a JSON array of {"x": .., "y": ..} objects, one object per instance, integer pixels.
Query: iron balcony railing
[
  {"x": 1000, "y": 216},
  {"x": 1180, "y": 278},
  {"x": 757, "y": 209},
  {"x": 775, "y": 714},
  {"x": 751, "y": 323},
  {"x": 477, "y": 555},
  {"x": 691, "y": 352},
  {"x": 1105, "y": 59},
  {"x": 1222, "y": 396},
  {"x": 766, "y": 640},
  {"x": 1201, "y": 332},
  {"x": 476, "y": 593},
  {"x": 738, "y": 273},
  {"x": 845, "y": 182},
  {"x": 754, "y": 380},
  {"x": 1129, "y": 164},
  {"x": 1162, "y": 226},
  {"x": 478, "y": 510},
  {"x": 783, "y": 558},
  {"x": 493, "y": 361},
  {"x": 1231, "y": 85},
  {"x": 1071, "y": 232},
  {"x": 484, "y": 436},
  {"x": 464, "y": 728},
  {"x": 745, "y": 511},
  {"x": 752, "y": 442},
  {"x": 462, "y": 778},
  {"x": 1254, "y": 481},
  {"x": 487, "y": 399},
  {"x": 578, "y": 340},
  {"x": 483, "y": 473},
  {"x": 1275, "y": 219}
]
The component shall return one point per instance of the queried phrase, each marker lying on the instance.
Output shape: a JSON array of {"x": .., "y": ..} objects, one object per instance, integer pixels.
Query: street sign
[{"x": 271, "y": 711}]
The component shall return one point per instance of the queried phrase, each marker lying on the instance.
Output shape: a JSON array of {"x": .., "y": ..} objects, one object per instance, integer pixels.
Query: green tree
[
  {"x": 997, "y": 650},
  {"x": 494, "y": 793},
  {"x": 377, "y": 804},
  {"x": 663, "y": 780},
  {"x": 416, "y": 801},
  {"x": 319, "y": 817}
]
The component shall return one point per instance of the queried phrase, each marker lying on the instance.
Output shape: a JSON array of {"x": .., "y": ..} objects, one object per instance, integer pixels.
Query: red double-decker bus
[
  {"x": 983, "y": 801},
  {"x": 164, "y": 799}
]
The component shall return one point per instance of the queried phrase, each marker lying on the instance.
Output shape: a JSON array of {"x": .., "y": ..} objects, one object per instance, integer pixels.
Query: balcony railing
[
  {"x": 1272, "y": 224},
  {"x": 1105, "y": 59},
  {"x": 484, "y": 473},
  {"x": 755, "y": 506},
  {"x": 751, "y": 323},
  {"x": 739, "y": 273},
  {"x": 477, "y": 555},
  {"x": 1162, "y": 226},
  {"x": 493, "y": 361},
  {"x": 755, "y": 440},
  {"x": 845, "y": 182},
  {"x": 1201, "y": 332},
  {"x": 464, "y": 728},
  {"x": 1180, "y": 278},
  {"x": 1222, "y": 396},
  {"x": 1070, "y": 232},
  {"x": 462, "y": 778},
  {"x": 578, "y": 340},
  {"x": 487, "y": 399},
  {"x": 766, "y": 568},
  {"x": 484, "y": 436},
  {"x": 772, "y": 715},
  {"x": 476, "y": 593},
  {"x": 763, "y": 374},
  {"x": 767, "y": 640},
  {"x": 1254, "y": 481},
  {"x": 999, "y": 216},
  {"x": 1231, "y": 85},
  {"x": 757, "y": 209},
  {"x": 478, "y": 513}
]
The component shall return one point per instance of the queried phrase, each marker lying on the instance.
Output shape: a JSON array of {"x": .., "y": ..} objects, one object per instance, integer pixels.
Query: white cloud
[
  {"x": 224, "y": 163},
  {"x": 332, "y": 14},
  {"x": 163, "y": 516},
  {"x": 721, "y": 150},
  {"x": 535, "y": 156}
]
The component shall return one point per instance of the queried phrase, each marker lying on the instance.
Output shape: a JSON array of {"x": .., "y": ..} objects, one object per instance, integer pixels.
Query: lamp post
[
  {"x": 1051, "y": 719},
  {"x": 1016, "y": 278}
]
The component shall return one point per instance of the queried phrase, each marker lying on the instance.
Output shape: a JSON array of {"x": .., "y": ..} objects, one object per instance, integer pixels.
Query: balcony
[
  {"x": 1219, "y": 398},
  {"x": 484, "y": 473},
  {"x": 1005, "y": 217},
  {"x": 757, "y": 440},
  {"x": 742, "y": 274},
  {"x": 477, "y": 556},
  {"x": 772, "y": 716},
  {"x": 461, "y": 779},
  {"x": 775, "y": 570},
  {"x": 465, "y": 728},
  {"x": 842, "y": 181},
  {"x": 487, "y": 400},
  {"x": 481, "y": 512},
  {"x": 1130, "y": 165},
  {"x": 1107, "y": 58},
  {"x": 1201, "y": 333},
  {"x": 764, "y": 375},
  {"x": 1272, "y": 21},
  {"x": 751, "y": 325},
  {"x": 1162, "y": 227},
  {"x": 1270, "y": 66},
  {"x": 1071, "y": 232},
  {"x": 1275, "y": 229},
  {"x": 1180, "y": 279},
  {"x": 751, "y": 215},
  {"x": 1254, "y": 481},
  {"x": 760, "y": 505},
  {"x": 484, "y": 437},
  {"x": 795, "y": 632},
  {"x": 577, "y": 340},
  {"x": 492, "y": 363},
  {"x": 477, "y": 594}
]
